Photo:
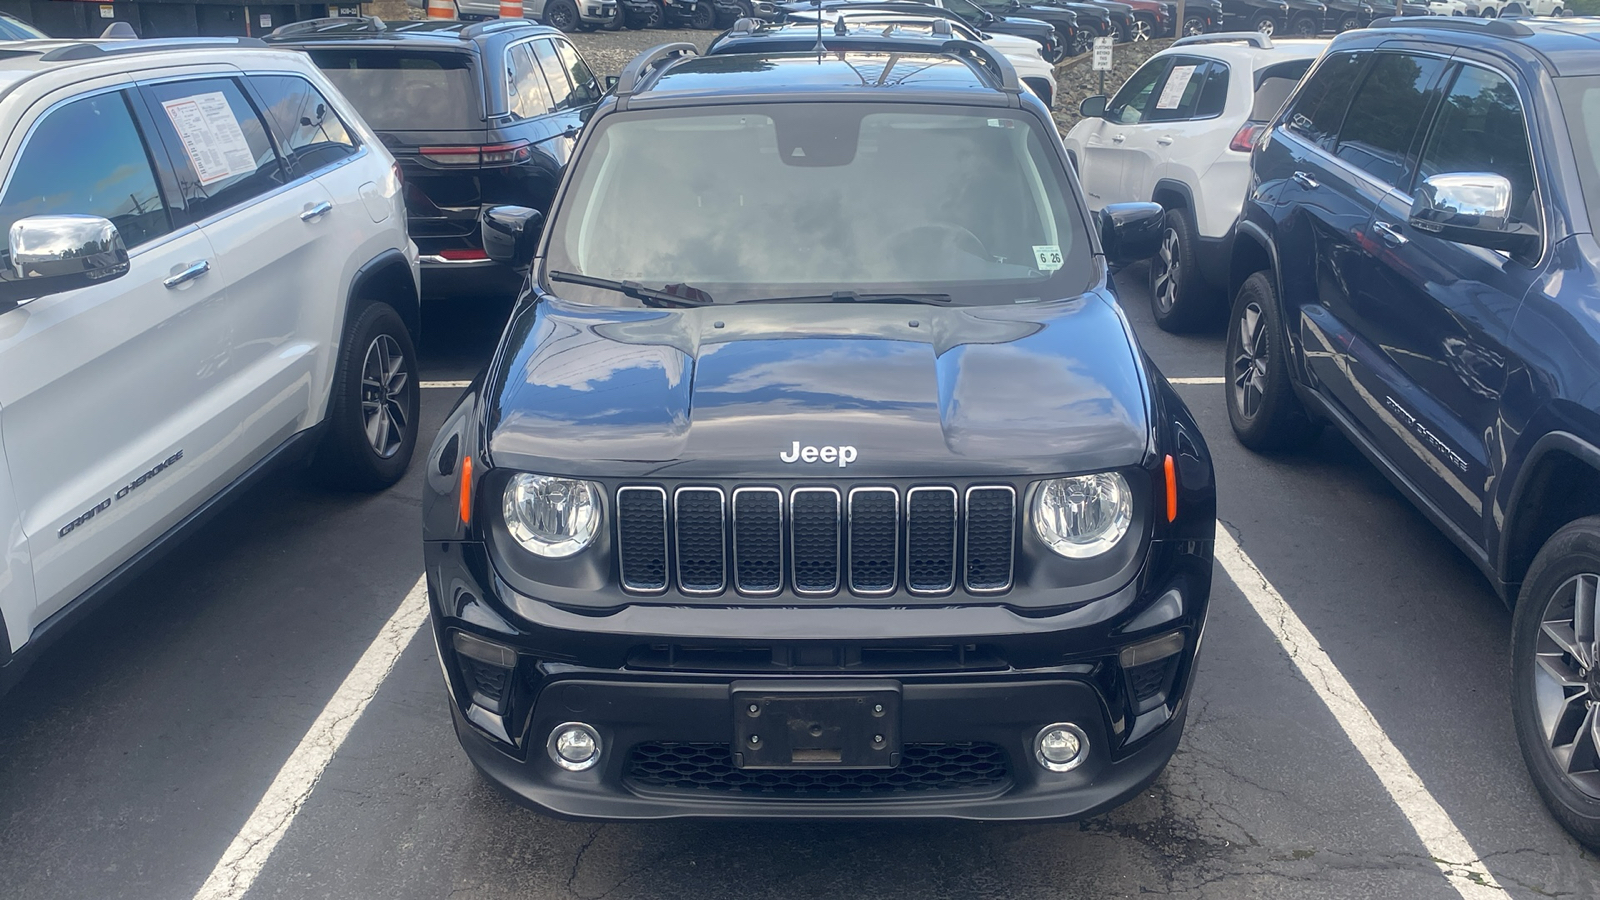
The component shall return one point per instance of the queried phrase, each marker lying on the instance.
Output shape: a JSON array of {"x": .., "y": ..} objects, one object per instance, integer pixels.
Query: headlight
[
  {"x": 1084, "y": 515},
  {"x": 552, "y": 517}
]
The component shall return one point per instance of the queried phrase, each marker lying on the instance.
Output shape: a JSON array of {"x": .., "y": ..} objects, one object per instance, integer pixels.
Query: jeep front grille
[{"x": 816, "y": 540}]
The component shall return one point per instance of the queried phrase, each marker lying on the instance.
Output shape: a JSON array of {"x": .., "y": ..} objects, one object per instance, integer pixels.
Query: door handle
[
  {"x": 1306, "y": 181},
  {"x": 1390, "y": 234},
  {"x": 194, "y": 270},
  {"x": 312, "y": 212},
  {"x": 1164, "y": 141},
  {"x": 1118, "y": 139}
]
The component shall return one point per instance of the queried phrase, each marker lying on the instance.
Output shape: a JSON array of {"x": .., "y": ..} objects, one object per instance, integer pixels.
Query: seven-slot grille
[{"x": 816, "y": 540}]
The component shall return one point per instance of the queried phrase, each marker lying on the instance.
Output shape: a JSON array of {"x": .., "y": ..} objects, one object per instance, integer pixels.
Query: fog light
[
  {"x": 574, "y": 746},
  {"x": 1061, "y": 747}
]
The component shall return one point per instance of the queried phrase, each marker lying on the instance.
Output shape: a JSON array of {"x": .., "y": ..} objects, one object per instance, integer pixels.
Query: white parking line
[
  {"x": 244, "y": 858},
  {"x": 1443, "y": 840},
  {"x": 1204, "y": 379},
  {"x": 462, "y": 384}
]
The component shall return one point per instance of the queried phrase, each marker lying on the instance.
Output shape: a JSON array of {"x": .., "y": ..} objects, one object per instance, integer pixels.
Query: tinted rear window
[{"x": 406, "y": 90}]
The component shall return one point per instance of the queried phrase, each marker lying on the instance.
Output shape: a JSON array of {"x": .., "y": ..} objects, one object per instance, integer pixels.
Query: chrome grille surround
[
  {"x": 714, "y": 553},
  {"x": 856, "y": 560},
  {"x": 799, "y": 556},
  {"x": 926, "y": 588},
  {"x": 998, "y": 585},
  {"x": 743, "y": 563},
  {"x": 627, "y": 547}
]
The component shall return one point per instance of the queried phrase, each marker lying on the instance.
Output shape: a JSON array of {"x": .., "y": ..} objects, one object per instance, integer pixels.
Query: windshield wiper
[
  {"x": 853, "y": 297},
  {"x": 648, "y": 296}
]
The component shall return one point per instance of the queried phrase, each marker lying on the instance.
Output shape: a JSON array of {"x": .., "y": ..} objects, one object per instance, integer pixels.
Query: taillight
[
  {"x": 488, "y": 155},
  {"x": 463, "y": 255},
  {"x": 399, "y": 176},
  {"x": 1244, "y": 140}
]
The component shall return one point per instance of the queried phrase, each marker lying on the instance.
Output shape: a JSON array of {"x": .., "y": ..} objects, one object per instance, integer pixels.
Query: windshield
[
  {"x": 406, "y": 90},
  {"x": 17, "y": 30},
  {"x": 1580, "y": 100},
  {"x": 815, "y": 198}
]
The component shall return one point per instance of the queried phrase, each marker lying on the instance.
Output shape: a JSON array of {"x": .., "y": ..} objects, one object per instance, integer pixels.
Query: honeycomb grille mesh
[
  {"x": 931, "y": 540},
  {"x": 642, "y": 538},
  {"x": 991, "y": 517},
  {"x": 701, "y": 555},
  {"x": 923, "y": 769},
  {"x": 814, "y": 530},
  {"x": 758, "y": 540},
  {"x": 874, "y": 540}
]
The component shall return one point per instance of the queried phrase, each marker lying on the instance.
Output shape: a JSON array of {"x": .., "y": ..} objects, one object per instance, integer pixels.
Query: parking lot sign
[{"x": 1102, "y": 54}]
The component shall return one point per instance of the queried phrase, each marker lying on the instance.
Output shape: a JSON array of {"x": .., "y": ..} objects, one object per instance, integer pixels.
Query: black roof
[
  {"x": 372, "y": 30},
  {"x": 1569, "y": 46}
]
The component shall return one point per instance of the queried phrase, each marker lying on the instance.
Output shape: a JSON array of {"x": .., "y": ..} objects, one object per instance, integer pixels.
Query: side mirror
[
  {"x": 510, "y": 233},
  {"x": 1093, "y": 107},
  {"x": 51, "y": 254},
  {"x": 1130, "y": 232},
  {"x": 611, "y": 83},
  {"x": 1471, "y": 208}
]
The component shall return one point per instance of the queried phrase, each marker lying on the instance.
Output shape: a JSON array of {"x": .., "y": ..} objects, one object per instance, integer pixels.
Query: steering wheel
[{"x": 940, "y": 234}]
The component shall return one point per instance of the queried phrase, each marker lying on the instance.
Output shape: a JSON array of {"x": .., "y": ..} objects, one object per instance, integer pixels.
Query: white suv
[
  {"x": 1179, "y": 132},
  {"x": 204, "y": 273}
]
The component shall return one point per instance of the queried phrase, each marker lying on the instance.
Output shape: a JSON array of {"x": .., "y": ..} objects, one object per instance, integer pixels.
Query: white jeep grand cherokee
[{"x": 204, "y": 272}]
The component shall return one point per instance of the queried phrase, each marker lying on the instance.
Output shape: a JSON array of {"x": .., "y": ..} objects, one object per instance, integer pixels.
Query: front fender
[{"x": 454, "y": 465}]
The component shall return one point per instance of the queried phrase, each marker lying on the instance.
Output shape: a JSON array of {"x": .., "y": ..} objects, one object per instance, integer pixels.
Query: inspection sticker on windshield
[
  {"x": 1048, "y": 256},
  {"x": 211, "y": 136},
  {"x": 1172, "y": 94}
]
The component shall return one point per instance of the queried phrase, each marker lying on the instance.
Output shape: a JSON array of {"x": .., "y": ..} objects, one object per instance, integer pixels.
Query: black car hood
[{"x": 722, "y": 391}]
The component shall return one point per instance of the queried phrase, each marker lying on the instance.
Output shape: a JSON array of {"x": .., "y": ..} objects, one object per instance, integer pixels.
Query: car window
[
  {"x": 1176, "y": 94},
  {"x": 555, "y": 74},
  {"x": 1480, "y": 128},
  {"x": 215, "y": 140},
  {"x": 1580, "y": 100},
  {"x": 526, "y": 94},
  {"x": 1385, "y": 114},
  {"x": 310, "y": 132},
  {"x": 1131, "y": 103},
  {"x": 1319, "y": 109},
  {"x": 1270, "y": 96},
  {"x": 584, "y": 89},
  {"x": 60, "y": 173},
  {"x": 1214, "y": 96},
  {"x": 406, "y": 90},
  {"x": 18, "y": 30}
]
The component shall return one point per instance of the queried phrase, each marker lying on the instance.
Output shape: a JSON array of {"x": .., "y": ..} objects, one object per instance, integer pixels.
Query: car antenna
[{"x": 819, "y": 48}]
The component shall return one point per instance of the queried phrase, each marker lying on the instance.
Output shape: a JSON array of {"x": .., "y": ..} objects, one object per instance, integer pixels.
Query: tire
[
  {"x": 1272, "y": 419},
  {"x": 1180, "y": 299},
  {"x": 614, "y": 23},
  {"x": 1144, "y": 28},
  {"x": 1193, "y": 25},
  {"x": 1488, "y": 12},
  {"x": 1266, "y": 25},
  {"x": 1119, "y": 33},
  {"x": 1305, "y": 26},
  {"x": 1544, "y": 652},
  {"x": 1348, "y": 23},
  {"x": 562, "y": 15},
  {"x": 704, "y": 16},
  {"x": 348, "y": 459}
]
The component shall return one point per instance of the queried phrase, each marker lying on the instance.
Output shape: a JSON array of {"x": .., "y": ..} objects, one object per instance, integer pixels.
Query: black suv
[
  {"x": 850, "y": 494},
  {"x": 475, "y": 114},
  {"x": 1416, "y": 263}
]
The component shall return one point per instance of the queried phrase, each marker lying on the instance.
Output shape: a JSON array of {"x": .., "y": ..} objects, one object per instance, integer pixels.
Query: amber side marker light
[
  {"x": 466, "y": 488},
  {"x": 1172, "y": 491}
]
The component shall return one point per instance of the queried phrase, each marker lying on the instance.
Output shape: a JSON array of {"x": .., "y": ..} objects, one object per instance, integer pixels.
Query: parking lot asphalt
[{"x": 134, "y": 751}]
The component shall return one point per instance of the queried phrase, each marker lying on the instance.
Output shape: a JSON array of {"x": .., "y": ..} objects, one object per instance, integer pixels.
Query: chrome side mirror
[
  {"x": 51, "y": 254},
  {"x": 510, "y": 233},
  {"x": 1470, "y": 208}
]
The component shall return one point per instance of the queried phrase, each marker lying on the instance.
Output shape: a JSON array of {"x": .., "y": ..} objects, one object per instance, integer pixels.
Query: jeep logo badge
[{"x": 844, "y": 455}]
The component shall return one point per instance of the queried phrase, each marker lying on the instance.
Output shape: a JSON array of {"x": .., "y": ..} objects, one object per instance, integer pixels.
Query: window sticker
[
  {"x": 211, "y": 136},
  {"x": 1172, "y": 94},
  {"x": 1048, "y": 256}
]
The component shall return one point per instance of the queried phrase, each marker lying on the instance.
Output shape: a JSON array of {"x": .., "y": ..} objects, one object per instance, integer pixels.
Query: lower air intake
[{"x": 923, "y": 769}]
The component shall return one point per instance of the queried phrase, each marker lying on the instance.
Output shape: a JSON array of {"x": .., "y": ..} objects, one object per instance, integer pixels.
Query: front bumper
[
  {"x": 974, "y": 682},
  {"x": 591, "y": 13}
]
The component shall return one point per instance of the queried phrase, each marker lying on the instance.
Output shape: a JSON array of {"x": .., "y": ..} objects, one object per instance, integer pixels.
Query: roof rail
[
  {"x": 77, "y": 52},
  {"x": 368, "y": 23},
  {"x": 1500, "y": 27},
  {"x": 1254, "y": 38},
  {"x": 490, "y": 26},
  {"x": 635, "y": 71},
  {"x": 997, "y": 64}
]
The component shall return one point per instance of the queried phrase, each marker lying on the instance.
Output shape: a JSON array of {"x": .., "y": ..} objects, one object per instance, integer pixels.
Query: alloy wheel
[
  {"x": 1566, "y": 680},
  {"x": 385, "y": 396},
  {"x": 563, "y": 17},
  {"x": 1141, "y": 30},
  {"x": 1250, "y": 363},
  {"x": 1166, "y": 269},
  {"x": 1267, "y": 27},
  {"x": 1193, "y": 27}
]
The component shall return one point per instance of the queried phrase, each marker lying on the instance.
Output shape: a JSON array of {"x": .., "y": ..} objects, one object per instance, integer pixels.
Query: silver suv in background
[{"x": 567, "y": 15}]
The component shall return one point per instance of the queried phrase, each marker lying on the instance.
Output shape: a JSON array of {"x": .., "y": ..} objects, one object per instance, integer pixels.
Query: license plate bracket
[{"x": 812, "y": 727}]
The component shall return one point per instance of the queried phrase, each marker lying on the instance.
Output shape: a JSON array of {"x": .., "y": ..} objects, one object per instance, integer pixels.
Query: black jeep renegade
[{"x": 818, "y": 473}]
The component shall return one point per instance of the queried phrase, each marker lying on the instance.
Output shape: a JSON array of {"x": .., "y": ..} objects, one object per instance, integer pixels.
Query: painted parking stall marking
[
  {"x": 276, "y": 811},
  {"x": 1445, "y": 843},
  {"x": 450, "y": 384},
  {"x": 1205, "y": 379}
]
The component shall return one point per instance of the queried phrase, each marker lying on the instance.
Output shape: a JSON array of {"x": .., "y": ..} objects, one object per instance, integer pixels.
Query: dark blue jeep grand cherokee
[
  {"x": 1416, "y": 263},
  {"x": 842, "y": 489}
]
